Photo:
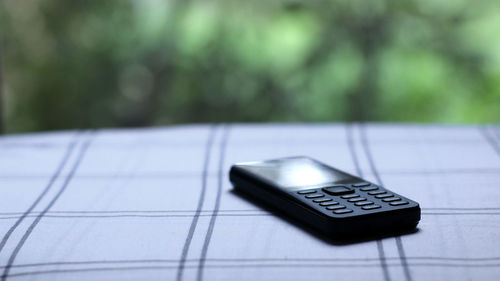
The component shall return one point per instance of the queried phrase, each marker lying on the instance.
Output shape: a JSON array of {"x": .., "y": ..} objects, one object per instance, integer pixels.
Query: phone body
[{"x": 328, "y": 200}]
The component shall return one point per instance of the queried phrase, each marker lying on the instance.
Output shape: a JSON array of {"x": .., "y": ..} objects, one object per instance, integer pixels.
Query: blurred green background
[{"x": 79, "y": 64}]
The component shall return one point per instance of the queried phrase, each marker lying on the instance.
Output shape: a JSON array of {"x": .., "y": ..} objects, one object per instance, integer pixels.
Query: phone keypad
[{"x": 360, "y": 196}]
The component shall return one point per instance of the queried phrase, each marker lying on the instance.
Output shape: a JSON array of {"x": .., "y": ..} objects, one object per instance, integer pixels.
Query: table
[{"x": 156, "y": 203}]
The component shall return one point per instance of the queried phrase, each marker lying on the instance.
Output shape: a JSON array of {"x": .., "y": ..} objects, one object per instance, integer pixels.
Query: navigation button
[{"x": 338, "y": 190}]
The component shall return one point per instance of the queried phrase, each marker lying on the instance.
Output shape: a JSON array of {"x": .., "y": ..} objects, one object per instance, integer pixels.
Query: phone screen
[{"x": 297, "y": 173}]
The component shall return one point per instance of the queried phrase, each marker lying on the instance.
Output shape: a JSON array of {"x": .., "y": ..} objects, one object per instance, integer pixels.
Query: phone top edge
[
  {"x": 249, "y": 163},
  {"x": 308, "y": 178}
]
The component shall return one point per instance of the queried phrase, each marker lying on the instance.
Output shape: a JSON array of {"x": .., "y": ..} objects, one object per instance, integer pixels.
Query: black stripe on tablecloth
[
  {"x": 490, "y": 138},
  {"x": 399, "y": 242},
  {"x": 380, "y": 246},
  {"x": 208, "y": 235},
  {"x": 263, "y": 214},
  {"x": 242, "y": 266},
  {"x": 249, "y": 260},
  {"x": 30, "y": 229},
  {"x": 53, "y": 178},
  {"x": 201, "y": 199},
  {"x": 17, "y": 214}
]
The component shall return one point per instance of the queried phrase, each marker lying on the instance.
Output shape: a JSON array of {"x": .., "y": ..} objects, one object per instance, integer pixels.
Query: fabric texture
[{"x": 156, "y": 204}]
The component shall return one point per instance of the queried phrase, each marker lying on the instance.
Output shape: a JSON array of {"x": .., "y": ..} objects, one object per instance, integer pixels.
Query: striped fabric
[{"x": 156, "y": 204}]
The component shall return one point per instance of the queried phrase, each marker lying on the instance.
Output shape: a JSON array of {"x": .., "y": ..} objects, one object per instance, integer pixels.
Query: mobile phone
[{"x": 328, "y": 200}]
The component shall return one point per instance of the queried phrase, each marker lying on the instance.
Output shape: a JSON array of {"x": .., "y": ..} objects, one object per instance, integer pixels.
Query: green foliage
[{"x": 149, "y": 62}]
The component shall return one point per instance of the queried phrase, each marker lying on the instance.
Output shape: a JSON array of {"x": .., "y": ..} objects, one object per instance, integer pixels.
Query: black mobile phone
[{"x": 330, "y": 201}]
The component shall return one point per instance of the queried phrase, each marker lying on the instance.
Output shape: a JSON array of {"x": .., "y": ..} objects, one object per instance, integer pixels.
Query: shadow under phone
[{"x": 337, "y": 241}]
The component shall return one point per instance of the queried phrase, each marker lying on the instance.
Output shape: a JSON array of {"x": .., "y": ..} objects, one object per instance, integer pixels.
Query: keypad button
[
  {"x": 353, "y": 200},
  {"x": 321, "y": 200},
  {"x": 363, "y": 203},
  {"x": 361, "y": 184},
  {"x": 371, "y": 207},
  {"x": 338, "y": 190},
  {"x": 330, "y": 203},
  {"x": 343, "y": 211},
  {"x": 349, "y": 196},
  {"x": 306, "y": 192},
  {"x": 338, "y": 207},
  {"x": 392, "y": 199},
  {"x": 369, "y": 188},
  {"x": 312, "y": 196},
  {"x": 399, "y": 203},
  {"x": 377, "y": 192},
  {"x": 382, "y": 196}
]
